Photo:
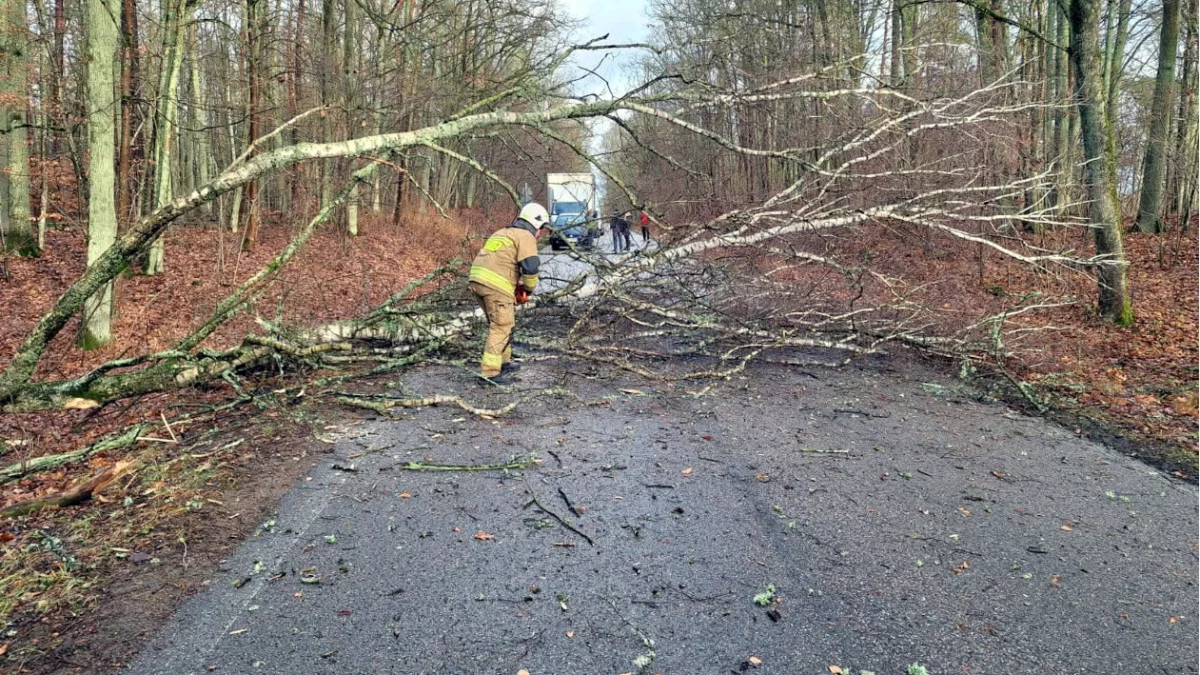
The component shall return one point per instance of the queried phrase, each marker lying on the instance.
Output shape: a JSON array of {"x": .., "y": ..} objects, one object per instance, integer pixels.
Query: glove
[{"x": 522, "y": 295}]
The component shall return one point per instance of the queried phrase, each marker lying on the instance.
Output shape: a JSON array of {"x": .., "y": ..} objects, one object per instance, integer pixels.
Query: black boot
[
  {"x": 503, "y": 379},
  {"x": 510, "y": 368}
]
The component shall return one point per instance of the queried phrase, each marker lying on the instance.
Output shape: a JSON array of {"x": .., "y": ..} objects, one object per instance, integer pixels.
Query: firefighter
[{"x": 502, "y": 276}]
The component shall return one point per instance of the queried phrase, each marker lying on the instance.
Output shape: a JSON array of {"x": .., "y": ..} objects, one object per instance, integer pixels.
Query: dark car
[{"x": 572, "y": 228}]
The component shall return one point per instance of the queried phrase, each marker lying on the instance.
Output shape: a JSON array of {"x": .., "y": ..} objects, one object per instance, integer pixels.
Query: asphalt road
[
  {"x": 561, "y": 267},
  {"x": 897, "y": 520}
]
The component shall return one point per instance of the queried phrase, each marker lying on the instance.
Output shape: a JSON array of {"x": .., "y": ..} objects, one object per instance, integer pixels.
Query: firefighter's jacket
[{"x": 508, "y": 255}]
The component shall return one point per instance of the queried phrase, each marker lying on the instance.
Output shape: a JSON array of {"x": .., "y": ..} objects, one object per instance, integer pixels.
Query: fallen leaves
[
  {"x": 687, "y": 471},
  {"x": 484, "y": 536}
]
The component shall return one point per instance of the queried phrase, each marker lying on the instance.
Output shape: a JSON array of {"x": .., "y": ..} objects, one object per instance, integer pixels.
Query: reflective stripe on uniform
[
  {"x": 493, "y": 279},
  {"x": 497, "y": 242},
  {"x": 493, "y": 360},
  {"x": 530, "y": 281}
]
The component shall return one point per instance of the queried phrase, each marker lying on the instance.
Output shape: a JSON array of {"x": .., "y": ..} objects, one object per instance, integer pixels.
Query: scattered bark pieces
[{"x": 512, "y": 465}]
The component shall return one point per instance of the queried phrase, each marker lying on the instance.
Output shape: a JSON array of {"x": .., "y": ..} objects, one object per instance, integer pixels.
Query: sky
[{"x": 623, "y": 21}]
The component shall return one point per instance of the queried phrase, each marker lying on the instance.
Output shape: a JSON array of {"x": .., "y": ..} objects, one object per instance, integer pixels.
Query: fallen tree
[{"x": 706, "y": 280}]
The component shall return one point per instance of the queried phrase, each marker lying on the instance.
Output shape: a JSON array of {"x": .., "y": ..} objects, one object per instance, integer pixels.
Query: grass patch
[{"x": 41, "y": 576}]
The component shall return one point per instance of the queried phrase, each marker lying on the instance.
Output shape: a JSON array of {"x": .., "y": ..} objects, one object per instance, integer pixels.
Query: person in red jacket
[{"x": 645, "y": 229}]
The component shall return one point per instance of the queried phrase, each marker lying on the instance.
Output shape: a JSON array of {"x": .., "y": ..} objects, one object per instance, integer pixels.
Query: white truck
[
  {"x": 572, "y": 202},
  {"x": 571, "y": 193}
]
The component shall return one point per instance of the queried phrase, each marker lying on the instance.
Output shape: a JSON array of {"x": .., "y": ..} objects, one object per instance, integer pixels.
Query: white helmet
[{"x": 534, "y": 214}]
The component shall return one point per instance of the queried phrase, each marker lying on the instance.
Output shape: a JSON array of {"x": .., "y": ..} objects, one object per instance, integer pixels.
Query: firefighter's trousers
[{"x": 498, "y": 307}]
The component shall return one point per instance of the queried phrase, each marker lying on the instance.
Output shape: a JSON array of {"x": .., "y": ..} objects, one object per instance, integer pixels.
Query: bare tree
[
  {"x": 1154, "y": 166},
  {"x": 97, "y": 302}
]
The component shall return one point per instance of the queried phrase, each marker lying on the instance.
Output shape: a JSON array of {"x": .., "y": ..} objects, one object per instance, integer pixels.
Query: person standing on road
[
  {"x": 614, "y": 225},
  {"x": 502, "y": 276},
  {"x": 625, "y": 227},
  {"x": 645, "y": 229}
]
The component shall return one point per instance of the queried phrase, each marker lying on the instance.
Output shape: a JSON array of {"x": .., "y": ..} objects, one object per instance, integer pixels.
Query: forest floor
[{"x": 1137, "y": 384}]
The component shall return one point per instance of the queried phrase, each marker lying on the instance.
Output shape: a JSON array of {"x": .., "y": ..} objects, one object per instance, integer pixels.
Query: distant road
[{"x": 560, "y": 267}]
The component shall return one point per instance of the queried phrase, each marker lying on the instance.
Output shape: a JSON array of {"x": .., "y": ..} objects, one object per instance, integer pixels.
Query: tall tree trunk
[
  {"x": 297, "y": 173},
  {"x": 910, "y": 16},
  {"x": 1115, "y": 63},
  {"x": 328, "y": 52},
  {"x": 1064, "y": 139},
  {"x": 14, "y": 41},
  {"x": 1182, "y": 192},
  {"x": 1150, "y": 204},
  {"x": 201, "y": 137},
  {"x": 127, "y": 152},
  {"x": 1051, "y": 76},
  {"x": 1099, "y": 172},
  {"x": 100, "y": 25},
  {"x": 166, "y": 123},
  {"x": 897, "y": 74},
  {"x": 249, "y": 209},
  {"x": 235, "y": 208},
  {"x": 58, "y": 67},
  {"x": 44, "y": 186},
  {"x": 350, "y": 81}
]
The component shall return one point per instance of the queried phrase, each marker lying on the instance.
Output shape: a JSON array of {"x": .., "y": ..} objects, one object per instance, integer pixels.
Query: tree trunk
[
  {"x": 298, "y": 202},
  {"x": 328, "y": 51},
  {"x": 1099, "y": 172},
  {"x": 127, "y": 150},
  {"x": 249, "y": 208},
  {"x": 909, "y": 18},
  {"x": 1064, "y": 140},
  {"x": 1183, "y": 188},
  {"x": 166, "y": 123},
  {"x": 236, "y": 203},
  {"x": 897, "y": 74},
  {"x": 1115, "y": 64},
  {"x": 201, "y": 138},
  {"x": 1051, "y": 78},
  {"x": 1154, "y": 162},
  {"x": 101, "y": 48},
  {"x": 350, "y": 77},
  {"x": 14, "y": 41},
  {"x": 60, "y": 30},
  {"x": 44, "y": 187}
]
